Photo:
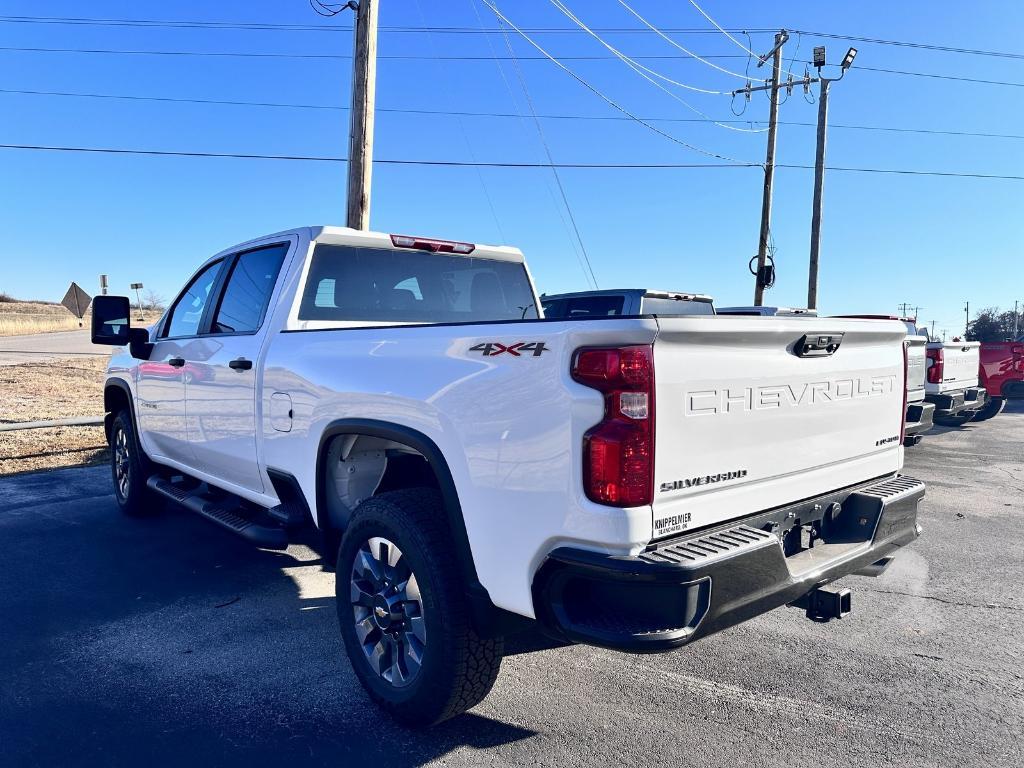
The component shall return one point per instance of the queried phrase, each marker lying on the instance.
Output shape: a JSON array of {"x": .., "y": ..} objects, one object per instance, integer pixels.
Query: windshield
[{"x": 378, "y": 284}]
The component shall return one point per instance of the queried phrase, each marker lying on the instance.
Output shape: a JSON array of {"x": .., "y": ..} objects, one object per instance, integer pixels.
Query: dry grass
[
  {"x": 51, "y": 390},
  {"x": 24, "y": 317}
]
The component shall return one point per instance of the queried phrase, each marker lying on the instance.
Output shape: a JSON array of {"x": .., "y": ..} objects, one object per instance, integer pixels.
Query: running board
[{"x": 268, "y": 537}]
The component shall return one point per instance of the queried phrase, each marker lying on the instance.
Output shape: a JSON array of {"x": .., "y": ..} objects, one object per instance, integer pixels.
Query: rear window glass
[
  {"x": 583, "y": 306},
  {"x": 676, "y": 307},
  {"x": 378, "y": 284}
]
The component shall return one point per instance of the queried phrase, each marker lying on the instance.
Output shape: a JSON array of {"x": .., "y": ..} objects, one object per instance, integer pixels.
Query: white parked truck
[
  {"x": 952, "y": 381},
  {"x": 625, "y": 302},
  {"x": 634, "y": 483},
  {"x": 768, "y": 311}
]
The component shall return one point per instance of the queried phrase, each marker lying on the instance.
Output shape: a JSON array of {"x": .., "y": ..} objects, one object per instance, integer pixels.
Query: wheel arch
[
  {"x": 117, "y": 395},
  {"x": 399, "y": 433}
]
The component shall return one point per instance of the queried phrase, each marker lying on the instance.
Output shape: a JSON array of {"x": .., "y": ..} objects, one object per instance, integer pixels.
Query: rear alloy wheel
[
  {"x": 992, "y": 408},
  {"x": 404, "y": 613},
  {"x": 387, "y": 611}
]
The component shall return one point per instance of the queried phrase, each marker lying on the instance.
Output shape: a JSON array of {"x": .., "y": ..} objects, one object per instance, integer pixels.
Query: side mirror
[{"x": 111, "y": 325}]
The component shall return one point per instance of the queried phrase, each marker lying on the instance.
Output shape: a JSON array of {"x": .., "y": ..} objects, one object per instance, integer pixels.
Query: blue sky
[{"x": 931, "y": 241}]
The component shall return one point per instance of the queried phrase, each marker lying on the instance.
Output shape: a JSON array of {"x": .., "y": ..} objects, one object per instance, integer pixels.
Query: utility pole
[
  {"x": 1016, "y": 317},
  {"x": 819, "y": 167},
  {"x": 364, "y": 91},
  {"x": 967, "y": 318},
  {"x": 903, "y": 308},
  {"x": 932, "y": 335},
  {"x": 769, "y": 164}
]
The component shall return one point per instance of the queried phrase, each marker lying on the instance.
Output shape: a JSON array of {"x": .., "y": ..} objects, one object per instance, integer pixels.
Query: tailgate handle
[{"x": 818, "y": 344}]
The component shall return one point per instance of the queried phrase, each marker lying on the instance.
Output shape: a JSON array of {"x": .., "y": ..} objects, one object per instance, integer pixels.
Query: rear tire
[
  {"x": 992, "y": 408},
  {"x": 955, "y": 421},
  {"x": 404, "y": 614},
  {"x": 129, "y": 468}
]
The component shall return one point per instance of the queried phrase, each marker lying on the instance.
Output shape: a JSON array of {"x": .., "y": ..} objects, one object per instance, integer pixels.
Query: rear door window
[
  {"x": 382, "y": 285},
  {"x": 247, "y": 293}
]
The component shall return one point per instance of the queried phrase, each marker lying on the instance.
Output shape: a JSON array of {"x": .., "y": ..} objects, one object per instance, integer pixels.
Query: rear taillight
[
  {"x": 618, "y": 453},
  {"x": 935, "y": 366},
  {"x": 906, "y": 384}
]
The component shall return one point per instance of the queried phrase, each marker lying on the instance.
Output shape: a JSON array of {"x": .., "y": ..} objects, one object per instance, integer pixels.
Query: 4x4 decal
[{"x": 494, "y": 348}]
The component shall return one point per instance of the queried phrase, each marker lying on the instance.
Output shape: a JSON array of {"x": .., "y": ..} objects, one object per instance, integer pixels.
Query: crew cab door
[
  {"x": 161, "y": 378},
  {"x": 221, "y": 376}
]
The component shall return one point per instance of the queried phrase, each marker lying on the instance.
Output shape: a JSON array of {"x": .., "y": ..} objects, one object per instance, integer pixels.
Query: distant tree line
[{"x": 992, "y": 325}]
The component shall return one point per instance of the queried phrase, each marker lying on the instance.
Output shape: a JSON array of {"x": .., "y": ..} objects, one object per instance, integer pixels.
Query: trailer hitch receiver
[{"x": 825, "y": 604}]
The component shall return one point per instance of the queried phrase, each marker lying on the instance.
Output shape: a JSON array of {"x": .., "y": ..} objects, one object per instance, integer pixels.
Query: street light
[
  {"x": 819, "y": 56},
  {"x": 848, "y": 59}
]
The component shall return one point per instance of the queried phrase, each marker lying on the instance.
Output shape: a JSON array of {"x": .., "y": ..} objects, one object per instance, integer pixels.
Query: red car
[{"x": 1001, "y": 373}]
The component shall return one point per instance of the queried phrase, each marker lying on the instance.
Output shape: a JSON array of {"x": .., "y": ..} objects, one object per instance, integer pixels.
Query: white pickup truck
[
  {"x": 952, "y": 381},
  {"x": 472, "y": 468}
]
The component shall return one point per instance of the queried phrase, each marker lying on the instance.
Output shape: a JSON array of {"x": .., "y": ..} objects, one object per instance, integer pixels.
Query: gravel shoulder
[{"x": 53, "y": 389}]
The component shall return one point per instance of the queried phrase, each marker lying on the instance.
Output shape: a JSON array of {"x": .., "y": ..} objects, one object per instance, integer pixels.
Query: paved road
[
  {"x": 38, "y": 347},
  {"x": 167, "y": 642}
]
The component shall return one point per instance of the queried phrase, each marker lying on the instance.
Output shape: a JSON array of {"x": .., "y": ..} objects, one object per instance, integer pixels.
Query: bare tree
[{"x": 153, "y": 301}]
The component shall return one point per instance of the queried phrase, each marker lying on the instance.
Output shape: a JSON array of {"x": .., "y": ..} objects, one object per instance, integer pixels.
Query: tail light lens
[
  {"x": 906, "y": 383},
  {"x": 934, "y": 366},
  {"x": 618, "y": 453}
]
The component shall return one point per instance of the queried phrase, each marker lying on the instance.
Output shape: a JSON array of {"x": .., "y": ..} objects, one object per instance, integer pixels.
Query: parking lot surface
[
  {"x": 43, "y": 347},
  {"x": 165, "y": 641}
]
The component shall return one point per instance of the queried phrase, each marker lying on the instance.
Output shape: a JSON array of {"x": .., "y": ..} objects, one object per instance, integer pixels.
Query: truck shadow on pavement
[{"x": 166, "y": 640}]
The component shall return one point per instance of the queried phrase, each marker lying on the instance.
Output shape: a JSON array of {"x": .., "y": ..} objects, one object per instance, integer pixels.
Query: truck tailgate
[
  {"x": 745, "y": 423},
  {"x": 916, "y": 365},
  {"x": 960, "y": 364}
]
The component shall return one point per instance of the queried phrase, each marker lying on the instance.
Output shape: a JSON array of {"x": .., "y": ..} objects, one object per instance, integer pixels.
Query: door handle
[
  {"x": 177, "y": 362},
  {"x": 240, "y": 364}
]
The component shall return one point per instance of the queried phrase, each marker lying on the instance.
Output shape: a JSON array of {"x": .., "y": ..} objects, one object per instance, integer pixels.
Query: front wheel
[
  {"x": 404, "y": 614},
  {"x": 992, "y": 408},
  {"x": 128, "y": 468}
]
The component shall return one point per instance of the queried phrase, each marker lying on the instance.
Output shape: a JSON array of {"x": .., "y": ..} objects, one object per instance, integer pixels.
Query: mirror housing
[{"x": 112, "y": 326}]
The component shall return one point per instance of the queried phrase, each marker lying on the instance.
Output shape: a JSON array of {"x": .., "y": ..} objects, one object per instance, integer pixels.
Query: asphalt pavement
[
  {"x": 41, "y": 347},
  {"x": 165, "y": 641}
]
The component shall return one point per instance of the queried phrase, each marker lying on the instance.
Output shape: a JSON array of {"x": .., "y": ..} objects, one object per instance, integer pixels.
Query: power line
[
  {"x": 746, "y": 49},
  {"x": 565, "y": 11},
  {"x": 641, "y": 70},
  {"x": 501, "y": 164},
  {"x": 673, "y": 43},
  {"x": 512, "y": 115},
  {"x": 589, "y": 269},
  {"x": 460, "y": 57},
  {"x": 347, "y": 29},
  {"x": 611, "y": 102}
]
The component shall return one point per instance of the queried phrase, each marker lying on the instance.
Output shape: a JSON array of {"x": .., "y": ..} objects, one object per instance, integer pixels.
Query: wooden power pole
[
  {"x": 819, "y": 187},
  {"x": 769, "y": 167},
  {"x": 364, "y": 90}
]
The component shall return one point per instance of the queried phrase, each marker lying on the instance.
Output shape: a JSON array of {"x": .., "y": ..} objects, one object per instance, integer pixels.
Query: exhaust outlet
[
  {"x": 825, "y": 604},
  {"x": 878, "y": 567}
]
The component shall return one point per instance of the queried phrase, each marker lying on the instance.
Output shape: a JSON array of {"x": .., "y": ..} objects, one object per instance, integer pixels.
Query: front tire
[
  {"x": 991, "y": 409},
  {"x": 128, "y": 468},
  {"x": 403, "y": 611}
]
